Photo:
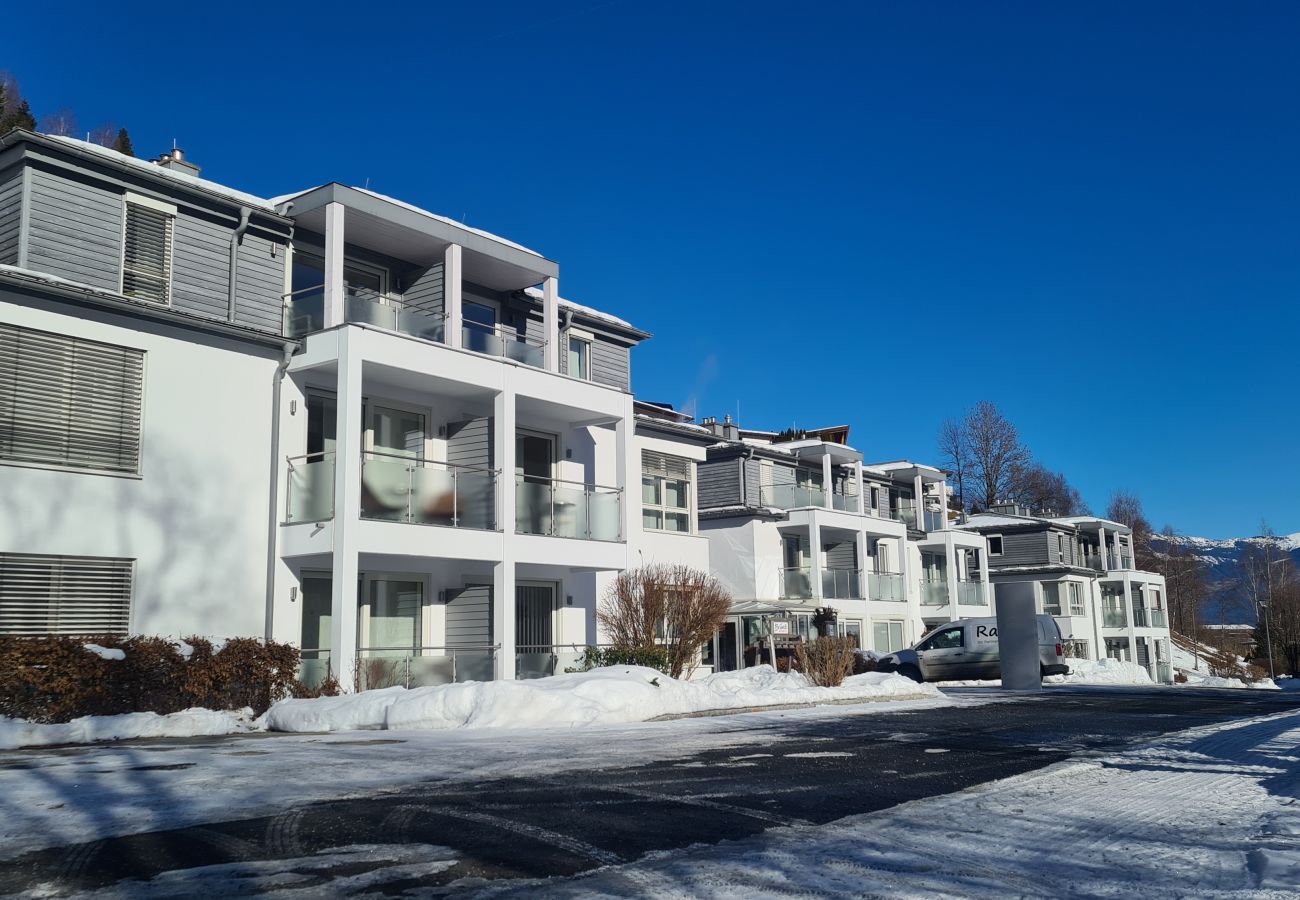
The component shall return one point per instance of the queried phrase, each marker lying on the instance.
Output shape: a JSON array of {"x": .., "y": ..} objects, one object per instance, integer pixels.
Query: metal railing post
[{"x": 455, "y": 496}]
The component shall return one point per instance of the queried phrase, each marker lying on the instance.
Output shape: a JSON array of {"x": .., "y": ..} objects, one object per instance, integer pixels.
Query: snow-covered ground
[
  {"x": 69, "y": 795},
  {"x": 1082, "y": 671},
  {"x": 1212, "y": 812},
  {"x": 612, "y": 695},
  {"x": 195, "y": 722}
]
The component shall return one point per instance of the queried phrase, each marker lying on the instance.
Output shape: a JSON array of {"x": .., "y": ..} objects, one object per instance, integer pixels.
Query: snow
[
  {"x": 106, "y": 652},
  {"x": 583, "y": 310},
  {"x": 610, "y": 695},
  {"x": 424, "y": 212},
  {"x": 149, "y": 167},
  {"x": 1198, "y": 679},
  {"x": 15, "y": 733},
  {"x": 1082, "y": 671},
  {"x": 1207, "y": 812}
]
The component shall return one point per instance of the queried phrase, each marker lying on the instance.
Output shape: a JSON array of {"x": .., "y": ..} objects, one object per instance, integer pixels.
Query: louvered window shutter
[
  {"x": 147, "y": 254},
  {"x": 68, "y": 595},
  {"x": 665, "y": 466},
  {"x": 66, "y": 401}
]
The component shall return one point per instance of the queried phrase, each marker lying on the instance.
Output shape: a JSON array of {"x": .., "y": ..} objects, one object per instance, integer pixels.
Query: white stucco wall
[{"x": 195, "y": 520}]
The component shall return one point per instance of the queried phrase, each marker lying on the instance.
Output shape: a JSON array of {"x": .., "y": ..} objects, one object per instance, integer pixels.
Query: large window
[
  {"x": 1052, "y": 598},
  {"x": 665, "y": 492},
  {"x": 147, "y": 250},
  {"x": 68, "y": 595},
  {"x": 579, "y": 356},
  {"x": 69, "y": 402},
  {"x": 1076, "y": 598},
  {"x": 887, "y": 636}
]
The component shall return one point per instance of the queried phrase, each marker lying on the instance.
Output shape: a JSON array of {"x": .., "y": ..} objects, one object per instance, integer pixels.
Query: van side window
[{"x": 944, "y": 640}]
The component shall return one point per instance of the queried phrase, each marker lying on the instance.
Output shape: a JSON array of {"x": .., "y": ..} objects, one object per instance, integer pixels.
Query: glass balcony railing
[
  {"x": 1113, "y": 618},
  {"x": 409, "y": 667},
  {"x": 495, "y": 340},
  {"x": 841, "y": 584},
  {"x": 569, "y": 509},
  {"x": 1139, "y": 617},
  {"x": 398, "y": 488},
  {"x": 934, "y": 592},
  {"x": 844, "y": 502},
  {"x": 1158, "y": 618},
  {"x": 791, "y": 496},
  {"x": 796, "y": 583},
  {"x": 971, "y": 593},
  {"x": 304, "y": 312},
  {"x": 885, "y": 586},
  {"x": 310, "y": 488},
  {"x": 935, "y": 520},
  {"x": 313, "y": 667}
]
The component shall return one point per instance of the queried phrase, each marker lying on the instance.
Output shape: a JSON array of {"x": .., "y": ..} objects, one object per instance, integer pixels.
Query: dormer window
[
  {"x": 995, "y": 544},
  {"x": 579, "y": 354},
  {"x": 147, "y": 249}
]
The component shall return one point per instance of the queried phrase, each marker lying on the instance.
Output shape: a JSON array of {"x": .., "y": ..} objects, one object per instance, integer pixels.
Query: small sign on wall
[{"x": 780, "y": 627}]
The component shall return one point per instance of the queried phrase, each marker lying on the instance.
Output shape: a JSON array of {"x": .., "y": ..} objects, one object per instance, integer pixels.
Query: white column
[
  {"x": 503, "y": 618},
  {"x": 950, "y": 558},
  {"x": 815, "y": 554},
  {"x": 1095, "y": 605},
  {"x": 943, "y": 504},
  {"x": 334, "y": 284},
  {"x": 347, "y": 513},
  {"x": 918, "y": 489},
  {"x": 551, "y": 323},
  {"x": 862, "y": 488},
  {"x": 1128, "y": 616},
  {"x": 828, "y": 495},
  {"x": 986, "y": 588},
  {"x": 1101, "y": 548},
  {"x": 860, "y": 550},
  {"x": 626, "y": 466},
  {"x": 453, "y": 277}
]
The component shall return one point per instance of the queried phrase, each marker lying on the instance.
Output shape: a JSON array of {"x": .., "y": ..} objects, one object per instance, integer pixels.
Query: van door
[
  {"x": 984, "y": 651},
  {"x": 943, "y": 655}
]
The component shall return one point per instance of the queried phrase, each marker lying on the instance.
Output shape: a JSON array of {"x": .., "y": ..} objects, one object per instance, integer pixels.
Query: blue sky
[{"x": 867, "y": 213}]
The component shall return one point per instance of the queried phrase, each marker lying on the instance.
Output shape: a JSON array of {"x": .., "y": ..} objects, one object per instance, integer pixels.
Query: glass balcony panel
[
  {"x": 796, "y": 583},
  {"x": 970, "y": 593},
  {"x": 532, "y": 505},
  {"x": 386, "y": 489},
  {"x": 840, "y": 584},
  {"x": 311, "y": 488},
  {"x": 563, "y": 509},
  {"x": 885, "y": 586},
  {"x": 304, "y": 312},
  {"x": 1113, "y": 618},
  {"x": 934, "y": 593},
  {"x": 606, "y": 518}
]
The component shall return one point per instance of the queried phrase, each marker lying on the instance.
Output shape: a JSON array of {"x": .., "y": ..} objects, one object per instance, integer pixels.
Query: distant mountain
[{"x": 1223, "y": 563}]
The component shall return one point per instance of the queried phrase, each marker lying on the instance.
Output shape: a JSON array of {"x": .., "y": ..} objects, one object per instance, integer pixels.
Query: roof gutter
[{"x": 236, "y": 238}]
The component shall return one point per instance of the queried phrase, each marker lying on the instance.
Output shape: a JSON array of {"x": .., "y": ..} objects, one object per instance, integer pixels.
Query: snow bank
[
  {"x": 194, "y": 722},
  {"x": 1200, "y": 679},
  {"x": 610, "y": 695},
  {"x": 1101, "y": 671}
]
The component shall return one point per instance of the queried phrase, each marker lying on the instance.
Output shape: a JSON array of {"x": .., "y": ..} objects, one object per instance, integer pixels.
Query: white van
[{"x": 968, "y": 649}]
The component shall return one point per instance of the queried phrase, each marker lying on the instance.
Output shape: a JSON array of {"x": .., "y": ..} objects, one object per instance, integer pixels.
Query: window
[
  {"x": 1060, "y": 548},
  {"x": 949, "y": 639},
  {"x": 1052, "y": 598},
  {"x": 1117, "y": 648},
  {"x": 887, "y": 636},
  {"x": 66, "y": 595},
  {"x": 69, "y": 402},
  {"x": 147, "y": 249},
  {"x": 995, "y": 545},
  {"x": 852, "y": 629},
  {"x": 665, "y": 492},
  {"x": 579, "y": 355},
  {"x": 1076, "y": 598}
]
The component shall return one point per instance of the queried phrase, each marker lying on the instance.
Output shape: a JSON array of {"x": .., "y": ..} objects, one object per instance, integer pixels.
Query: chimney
[
  {"x": 730, "y": 430},
  {"x": 176, "y": 161}
]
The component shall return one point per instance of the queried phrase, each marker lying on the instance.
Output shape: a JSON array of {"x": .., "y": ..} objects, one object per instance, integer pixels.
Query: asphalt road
[{"x": 571, "y": 821}]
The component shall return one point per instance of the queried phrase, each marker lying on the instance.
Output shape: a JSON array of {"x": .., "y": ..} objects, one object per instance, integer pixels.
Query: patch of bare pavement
[{"x": 438, "y": 838}]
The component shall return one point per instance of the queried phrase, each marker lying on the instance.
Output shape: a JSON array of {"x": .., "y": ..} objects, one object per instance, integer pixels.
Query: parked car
[{"x": 968, "y": 649}]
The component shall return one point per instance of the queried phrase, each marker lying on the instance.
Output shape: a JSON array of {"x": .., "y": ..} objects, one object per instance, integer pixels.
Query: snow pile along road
[
  {"x": 1101, "y": 671},
  {"x": 15, "y": 733},
  {"x": 1199, "y": 679},
  {"x": 611, "y": 695}
]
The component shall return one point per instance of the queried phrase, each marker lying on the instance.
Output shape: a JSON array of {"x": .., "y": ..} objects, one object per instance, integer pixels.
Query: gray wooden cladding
[
  {"x": 469, "y": 616},
  {"x": 11, "y": 198}
]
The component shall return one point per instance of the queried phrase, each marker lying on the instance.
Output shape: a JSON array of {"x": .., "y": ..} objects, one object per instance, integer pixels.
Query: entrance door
[
  {"x": 534, "y": 465},
  {"x": 394, "y": 444},
  {"x": 727, "y": 641},
  {"x": 534, "y": 630}
]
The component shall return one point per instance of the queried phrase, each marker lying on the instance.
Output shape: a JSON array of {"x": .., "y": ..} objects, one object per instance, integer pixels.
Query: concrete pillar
[
  {"x": 551, "y": 323},
  {"x": 626, "y": 467},
  {"x": 828, "y": 489},
  {"x": 918, "y": 502},
  {"x": 453, "y": 277},
  {"x": 815, "y": 554},
  {"x": 1095, "y": 604},
  {"x": 503, "y": 427},
  {"x": 347, "y": 512},
  {"x": 950, "y": 559},
  {"x": 1101, "y": 549},
  {"x": 985, "y": 587},
  {"x": 503, "y": 618},
  {"x": 1128, "y": 615},
  {"x": 943, "y": 504},
  {"x": 335, "y": 287},
  {"x": 860, "y": 554},
  {"x": 862, "y": 488}
]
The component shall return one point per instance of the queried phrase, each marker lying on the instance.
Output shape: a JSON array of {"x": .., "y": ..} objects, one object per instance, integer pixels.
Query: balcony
[
  {"x": 934, "y": 592},
  {"x": 1139, "y": 617},
  {"x": 796, "y": 583},
  {"x": 568, "y": 509},
  {"x": 885, "y": 586},
  {"x": 1092, "y": 561},
  {"x": 414, "y": 490},
  {"x": 310, "y": 488},
  {"x": 304, "y": 313},
  {"x": 935, "y": 520},
  {"x": 841, "y": 584},
  {"x": 1158, "y": 618},
  {"x": 495, "y": 340},
  {"x": 971, "y": 593},
  {"x": 1118, "y": 560},
  {"x": 844, "y": 502},
  {"x": 791, "y": 496},
  {"x": 1113, "y": 618},
  {"x": 409, "y": 667}
]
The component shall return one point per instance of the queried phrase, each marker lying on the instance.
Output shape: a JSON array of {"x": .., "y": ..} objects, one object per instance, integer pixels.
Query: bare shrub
[
  {"x": 673, "y": 606},
  {"x": 827, "y": 661}
]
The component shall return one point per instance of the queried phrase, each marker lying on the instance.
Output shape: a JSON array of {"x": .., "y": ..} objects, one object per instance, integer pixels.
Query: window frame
[
  {"x": 1056, "y": 587},
  {"x": 662, "y": 508},
  {"x": 130, "y": 199},
  {"x": 1075, "y": 596},
  {"x": 585, "y": 338},
  {"x": 989, "y": 539}
]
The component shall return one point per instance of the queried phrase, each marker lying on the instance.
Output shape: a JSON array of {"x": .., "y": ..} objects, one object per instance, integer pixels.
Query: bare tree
[
  {"x": 1126, "y": 508},
  {"x": 62, "y": 123},
  {"x": 104, "y": 135},
  {"x": 997, "y": 458},
  {"x": 673, "y": 606},
  {"x": 954, "y": 453},
  {"x": 1186, "y": 588},
  {"x": 1045, "y": 491}
]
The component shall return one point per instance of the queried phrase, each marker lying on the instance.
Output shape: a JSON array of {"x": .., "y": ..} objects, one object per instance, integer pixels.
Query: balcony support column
[
  {"x": 344, "y": 568},
  {"x": 1129, "y": 618},
  {"x": 503, "y": 617},
  {"x": 335, "y": 289},
  {"x": 551, "y": 323},
  {"x": 862, "y": 486},
  {"x": 860, "y": 557},
  {"x": 503, "y": 436},
  {"x": 943, "y": 504},
  {"x": 453, "y": 272},
  {"x": 815, "y": 556},
  {"x": 986, "y": 590},
  {"x": 950, "y": 561},
  {"x": 1101, "y": 549},
  {"x": 828, "y": 488},
  {"x": 625, "y": 465},
  {"x": 918, "y": 488}
]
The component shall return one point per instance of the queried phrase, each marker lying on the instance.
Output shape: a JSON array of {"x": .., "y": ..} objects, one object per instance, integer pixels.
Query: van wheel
[{"x": 911, "y": 672}]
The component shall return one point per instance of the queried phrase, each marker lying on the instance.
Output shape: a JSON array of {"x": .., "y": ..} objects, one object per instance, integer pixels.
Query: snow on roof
[
  {"x": 1088, "y": 520},
  {"x": 184, "y": 178},
  {"x": 584, "y": 310},
  {"x": 447, "y": 221},
  {"x": 984, "y": 520}
]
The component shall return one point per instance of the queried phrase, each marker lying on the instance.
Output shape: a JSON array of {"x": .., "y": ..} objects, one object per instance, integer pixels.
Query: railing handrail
[
  {"x": 425, "y": 459},
  {"x": 501, "y": 331},
  {"x": 474, "y": 647},
  {"x": 319, "y": 454},
  {"x": 546, "y": 479},
  {"x": 876, "y": 572},
  {"x": 307, "y": 290}
]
